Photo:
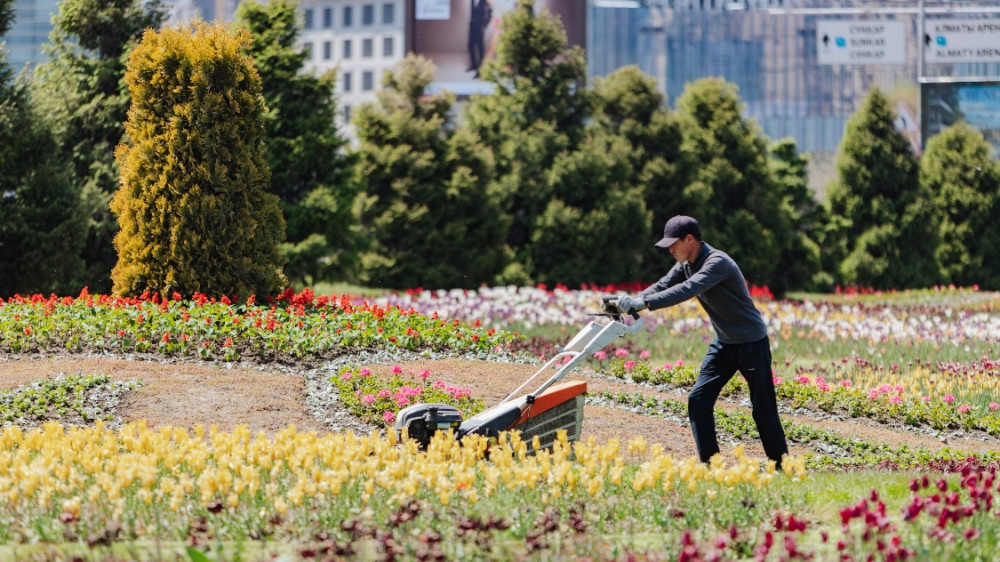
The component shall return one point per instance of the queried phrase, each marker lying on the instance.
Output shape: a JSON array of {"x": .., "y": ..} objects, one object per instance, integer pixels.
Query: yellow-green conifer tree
[{"x": 194, "y": 207}]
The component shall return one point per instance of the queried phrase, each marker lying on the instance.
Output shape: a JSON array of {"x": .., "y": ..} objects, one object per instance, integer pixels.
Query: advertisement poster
[
  {"x": 459, "y": 35},
  {"x": 976, "y": 103}
]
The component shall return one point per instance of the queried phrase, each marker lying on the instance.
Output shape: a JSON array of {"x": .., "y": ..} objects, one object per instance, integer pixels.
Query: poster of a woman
[{"x": 459, "y": 35}]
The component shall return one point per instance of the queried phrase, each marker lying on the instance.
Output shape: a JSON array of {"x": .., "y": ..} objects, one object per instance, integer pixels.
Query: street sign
[
  {"x": 961, "y": 41},
  {"x": 860, "y": 42}
]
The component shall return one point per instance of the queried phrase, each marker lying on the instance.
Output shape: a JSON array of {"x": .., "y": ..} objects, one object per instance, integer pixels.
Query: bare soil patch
[{"x": 268, "y": 400}]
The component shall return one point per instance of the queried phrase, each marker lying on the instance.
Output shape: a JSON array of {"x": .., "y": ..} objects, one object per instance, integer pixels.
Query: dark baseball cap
[{"x": 678, "y": 227}]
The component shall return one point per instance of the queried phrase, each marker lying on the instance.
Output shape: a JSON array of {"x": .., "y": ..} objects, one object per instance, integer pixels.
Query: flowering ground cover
[{"x": 917, "y": 361}]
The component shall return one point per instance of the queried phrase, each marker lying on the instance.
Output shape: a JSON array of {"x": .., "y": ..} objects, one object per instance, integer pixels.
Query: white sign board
[
  {"x": 860, "y": 42},
  {"x": 962, "y": 41},
  {"x": 433, "y": 10}
]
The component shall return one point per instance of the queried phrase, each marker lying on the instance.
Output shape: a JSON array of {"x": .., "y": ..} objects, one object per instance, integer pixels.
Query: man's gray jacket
[{"x": 717, "y": 282}]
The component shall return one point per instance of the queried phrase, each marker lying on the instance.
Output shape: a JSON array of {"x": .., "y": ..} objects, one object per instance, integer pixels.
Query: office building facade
[
  {"x": 769, "y": 49},
  {"x": 359, "y": 40}
]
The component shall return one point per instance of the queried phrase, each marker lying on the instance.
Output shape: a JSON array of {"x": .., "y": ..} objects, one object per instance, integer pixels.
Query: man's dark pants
[{"x": 721, "y": 362}]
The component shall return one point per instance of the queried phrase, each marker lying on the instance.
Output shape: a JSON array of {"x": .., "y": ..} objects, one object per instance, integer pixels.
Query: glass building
[
  {"x": 29, "y": 31},
  {"x": 769, "y": 49}
]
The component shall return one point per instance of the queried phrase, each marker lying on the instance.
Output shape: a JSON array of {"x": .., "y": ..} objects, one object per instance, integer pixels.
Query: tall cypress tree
[
  {"x": 41, "y": 226},
  {"x": 630, "y": 106},
  {"x": 427, "y": 207},
  {"x": 81, "y": 89},
  {"x": 577, "y": 216},
  {"x": 964, "y": 182},
  {"x": 731, "y": 190},
  {"x": 194, "y": 206},
  {"x": 311, "y": 169},
  {"x": 878, "y": 205}
]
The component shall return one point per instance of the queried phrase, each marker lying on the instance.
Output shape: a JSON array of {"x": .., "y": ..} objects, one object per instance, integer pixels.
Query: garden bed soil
[{"x": 187, "y": 394}]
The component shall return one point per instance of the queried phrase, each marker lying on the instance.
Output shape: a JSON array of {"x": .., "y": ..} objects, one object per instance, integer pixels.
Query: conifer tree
[
  {"x": 194, "y": 206},
  {"x": 311, "y": 169},
  {"x": 964, "y": 182},
  {"x": 427, "y": 207},
  {"x": 577, "y": 215},
  {"x": 730, "y": 190},
  {"x": 880, "y": 211},
  {"x": 629, "y": 105},
  {"x": 41, "y": 226},
  {"x": 801, "y": 264},
  {"x": 82, "y": 92}
]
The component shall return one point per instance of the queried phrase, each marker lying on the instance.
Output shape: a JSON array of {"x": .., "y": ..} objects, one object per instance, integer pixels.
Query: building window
[
  {"x": 367, "y": 14},
  {"x": 346, "y": 82},
  {"x": 327, "y": 18},
  {"x": 348, "y": 16},
  {"x": 309, "y": 19},
  {"x": 367, "y": 48},
  {"x": 347, "y": 114},
  {"x": 307, "y": 48},
  {"x": 387, "y": 46},
  {"x": 327, "y": 50},
  {"x": 388, "y": 14},
  {"x": 367, "y": 80},
  {"x": 347, "y": 49}
]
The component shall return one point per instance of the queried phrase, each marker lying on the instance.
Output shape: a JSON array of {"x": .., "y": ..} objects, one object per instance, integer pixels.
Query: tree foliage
[
  {"x": 41, "y": 227},
  {"x": 194, "y": 206},
  {"x": 730, "y": 190},
  {"x": 965, "y": 182},
  {"x": 877, "y": 205},
  {"x": 576, "y": 215},
  {"x": 629, "y": 105},
  {"x": 801, "y": 261},
  {"x": 82, "y": 92},
  {"x": 311, "y": 170},
  {"x": 427, "y": 206}
]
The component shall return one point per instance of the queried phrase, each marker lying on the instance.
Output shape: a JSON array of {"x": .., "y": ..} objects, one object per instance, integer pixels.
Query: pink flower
[
  {"x": 643, "y": 354},
  {"x": 384, "y": 393},
  {"x": 845, "y": 383},
  {"x": 668, "y": 366},
  {"x": 388, "y": 416},
  {"x": 949, "y": 398},
  {"x": 497, "y": 349},
  {"x": 396, "y": 369},
  {"x": 621, "y": 352},
  {"x": 629, "y": 365},
  {"x": 895, "y": 400},
  {"x": 424, "y": 374},
  {"x": 777, "y": 380},
  {"x": 346, "y": 376},
  {"x": 366, "y": 373},
  {"x": 438, "y": 384},
  {"x": 993, "y": 406},
  {"x": 963, "y": 408},
  {"x": 402, "y": 401},
  {"x": 927, "y": 398},
  {"x": 679, "y": 363},
  {"x": 802, "y": 379},
  {"x": 600, "y": 355},
  {"x": 873, "y": 395},
  {"x": 367, "y": 399}
]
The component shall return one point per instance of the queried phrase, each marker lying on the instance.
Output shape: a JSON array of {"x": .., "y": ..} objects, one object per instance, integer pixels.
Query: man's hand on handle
[{"x": 630, "y": 305}]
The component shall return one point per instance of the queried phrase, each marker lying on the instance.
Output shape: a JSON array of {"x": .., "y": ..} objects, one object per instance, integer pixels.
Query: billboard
[
  {"x": 458, "y": 35},
  {"x": 977, "y": 103}
]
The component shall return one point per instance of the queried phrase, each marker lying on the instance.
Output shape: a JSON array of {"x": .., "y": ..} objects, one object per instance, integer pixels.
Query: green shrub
[{"x": 194, "y": 207}]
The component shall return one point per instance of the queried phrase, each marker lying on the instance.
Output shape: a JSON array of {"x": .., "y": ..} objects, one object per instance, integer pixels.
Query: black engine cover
[{"x": 422, "y": 421}]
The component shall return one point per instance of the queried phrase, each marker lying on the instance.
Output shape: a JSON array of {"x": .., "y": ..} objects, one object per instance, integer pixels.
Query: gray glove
[{"x": 628, "y": 304}]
